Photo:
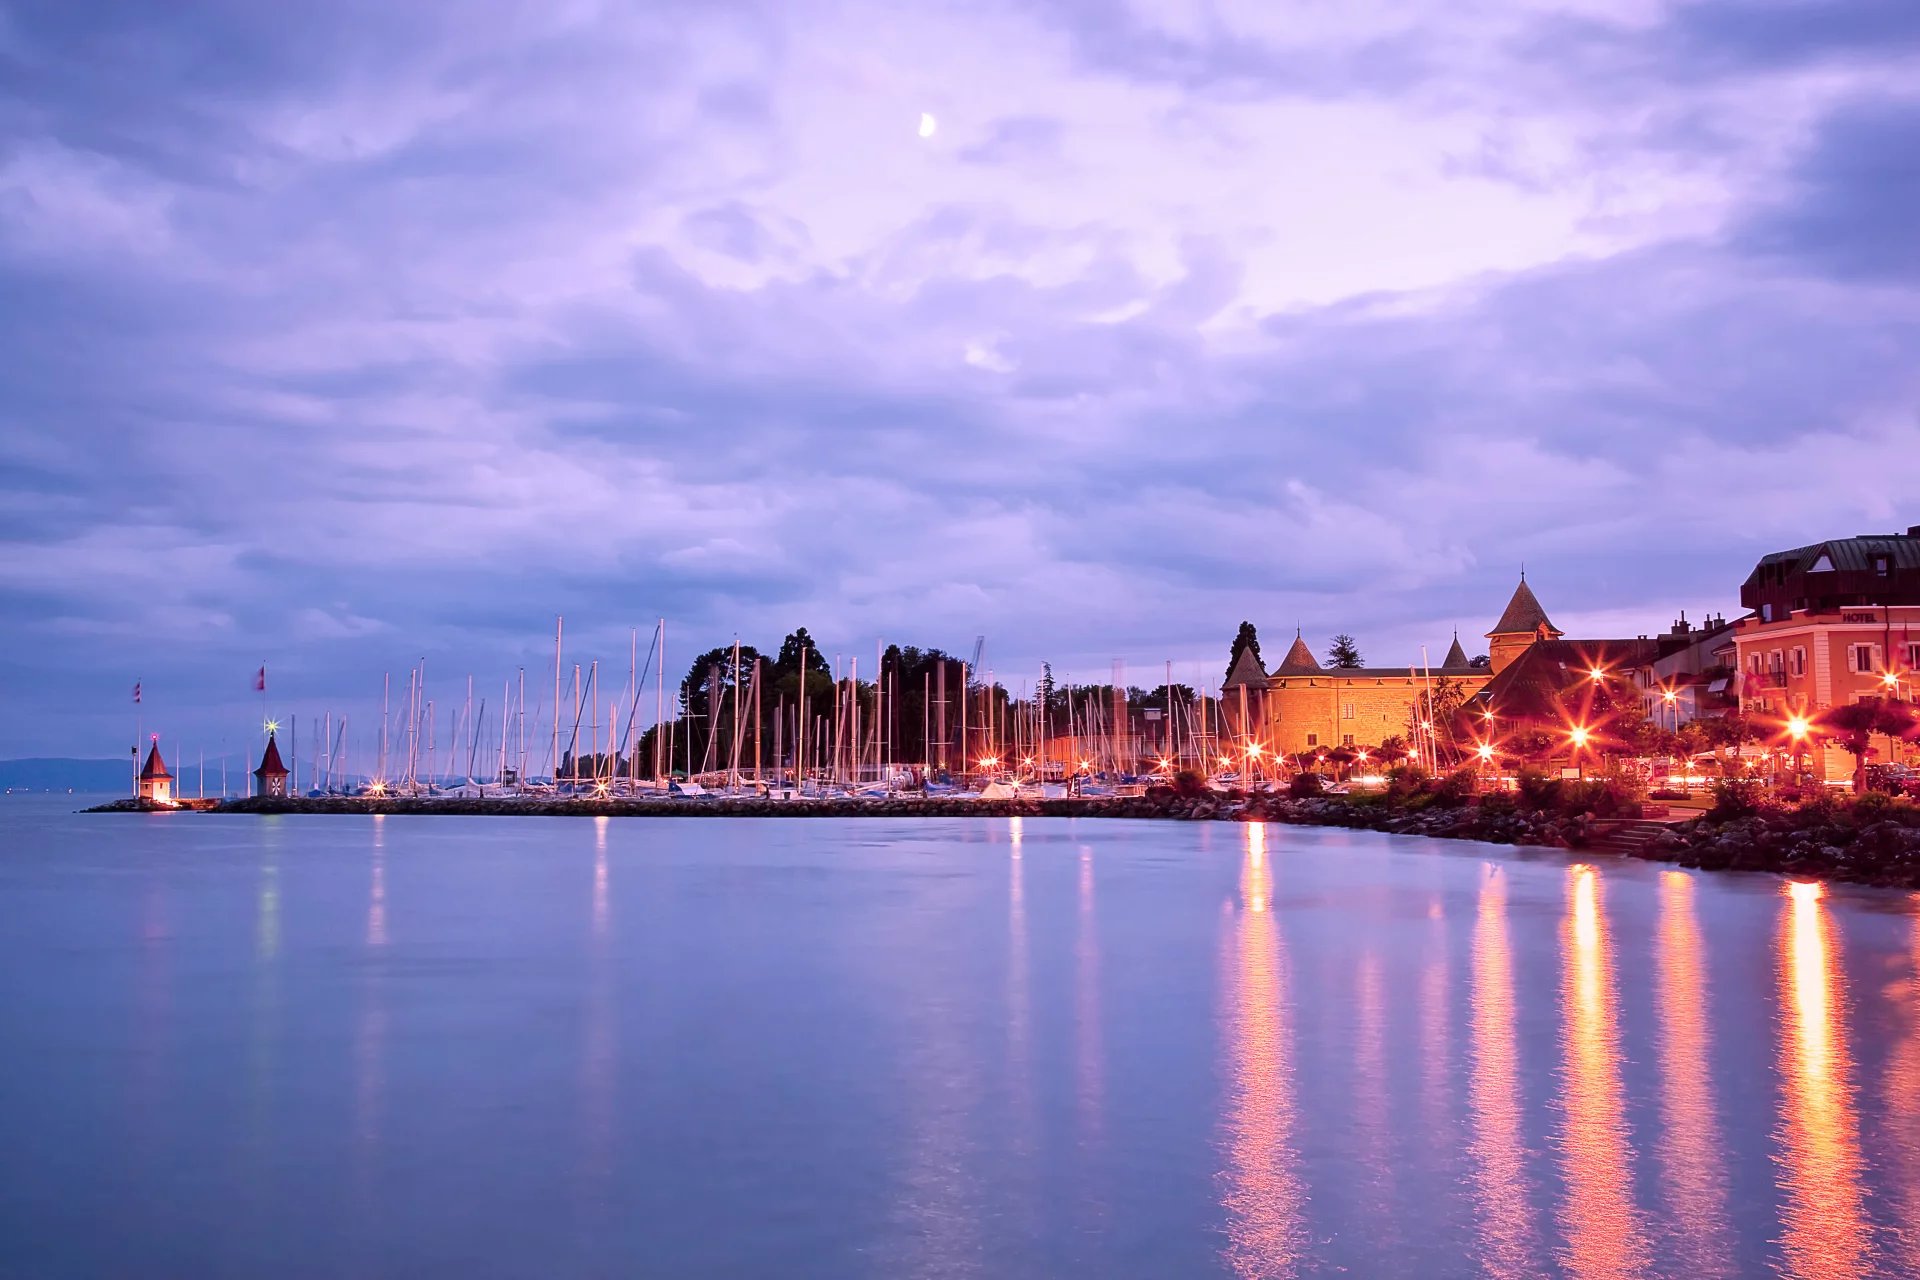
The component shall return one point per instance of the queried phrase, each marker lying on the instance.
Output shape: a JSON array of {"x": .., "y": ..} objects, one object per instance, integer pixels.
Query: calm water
[{"x": 547, "y": 1047}]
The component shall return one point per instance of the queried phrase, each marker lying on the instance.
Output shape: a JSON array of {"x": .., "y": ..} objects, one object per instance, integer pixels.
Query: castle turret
[{"x": 1523, "y": 623}]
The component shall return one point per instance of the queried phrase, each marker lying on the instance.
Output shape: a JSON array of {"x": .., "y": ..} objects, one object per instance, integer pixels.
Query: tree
[
  {"x": 790, "y": 649},
  {"x": 1247, "y": 638},
  {"x": 1438, "y": 711},
  {"x": 1480, "y": 662},
  {"x": 1852, "y": 725},
  {"x": 1344, "y": 653}
]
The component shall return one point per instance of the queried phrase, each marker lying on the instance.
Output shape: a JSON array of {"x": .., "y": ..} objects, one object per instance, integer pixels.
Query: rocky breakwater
[{"x": 1870, "y": 841}]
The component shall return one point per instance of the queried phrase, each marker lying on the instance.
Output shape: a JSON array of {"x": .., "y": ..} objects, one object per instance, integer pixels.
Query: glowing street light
[
  {"x": 1797, "y": 728},
  {"x": 1597, "y": 674},
  {"x": 1579, "y": 736},
  {"x": 1486, "y": 751}
]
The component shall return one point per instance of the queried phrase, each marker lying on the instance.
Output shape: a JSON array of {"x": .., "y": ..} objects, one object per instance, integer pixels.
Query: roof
[
  {"x": 1524, "y": 616},
  {"x": 270, "y": 761},
  {"x": 155, "y": 769},
  {"x": 1456, "y": 659},
  {"x": 1246, "y": 670},
  {"x": 1848, "y": 555},
  {"x": 1531, "y": 686},
  {"x": 1299, "y": 660}
]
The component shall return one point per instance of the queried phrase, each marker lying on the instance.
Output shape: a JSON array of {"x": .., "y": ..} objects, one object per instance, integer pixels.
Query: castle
[{"x": 1302, "y": 706}]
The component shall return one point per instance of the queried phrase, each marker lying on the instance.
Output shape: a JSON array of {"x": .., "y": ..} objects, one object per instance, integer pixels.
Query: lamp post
[
  {"x": 1579, "y": 737},
  {"x": 1797, "y": 728}
]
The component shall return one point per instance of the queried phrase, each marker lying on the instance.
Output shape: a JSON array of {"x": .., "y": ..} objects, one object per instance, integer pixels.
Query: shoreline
[{"x": 1883, "y": 853}]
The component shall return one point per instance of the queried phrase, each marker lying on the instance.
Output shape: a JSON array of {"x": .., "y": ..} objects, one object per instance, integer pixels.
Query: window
[
  {"x": 1776, "y": 662},
  {"x": 1346, "y": 711},
  {"x": 1882, "y": 566},
  {"x": 1347, "y": 740},
  {"x": 1313, "y": 739},
  {"x": 1797, "y": 661},
  {"x": 1766, "y": 613},
  {"x": 1860, "y": 658},
  {"x": 1913, "y": 656}
]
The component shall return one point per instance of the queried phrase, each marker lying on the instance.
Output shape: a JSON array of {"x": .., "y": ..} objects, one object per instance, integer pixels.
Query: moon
[{"x": 927, "y": 125}]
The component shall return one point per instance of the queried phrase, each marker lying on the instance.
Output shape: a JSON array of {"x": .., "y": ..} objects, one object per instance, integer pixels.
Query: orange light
[
  {"x": 987, "y": 762},
  {"x": 1579, "y": 735},
  {"x": 1223, "y": 760},
  {"x": 1486, "y": 751},
  {"x": 1669, "y": 695},
  {"x": 1598, "y": 675},
  {"x": 1166, "y": 764},
  {"x": 1363, "y": 753},
  {"x": 1797, "y": 727},
  {"x": 1890, "y": 679},
  {"x": 1028, "y": 760},
  {"x": 1254, "y": 749}
]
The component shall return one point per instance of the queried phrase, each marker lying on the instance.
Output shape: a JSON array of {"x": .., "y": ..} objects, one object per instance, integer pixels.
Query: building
[
  {"x": 156, "y": 784},
  {"x": 270, "y": 778},
  {"x": 1692, "y": 678},
  {"x": 1830, "y": 623},
  {"x": 1308, "y": 706},
  {"x": 1522, "y": 623}
]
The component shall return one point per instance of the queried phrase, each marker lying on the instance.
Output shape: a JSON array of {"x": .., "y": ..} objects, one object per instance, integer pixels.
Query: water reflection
[
  {"x": 1436, "y": 1055},
  {"x": 597, "y": 1059},
  {"x": 1087, "y": 1006},
  {"x": 370, "y": 1038},
  {"x": 1903, "y": 1102},
  {"x": 377, "y": 898},
  {"x": 1690, "y": 1148},
  {"x": 1604, "y": 1234},
  {"x": 1824, "y": 1218},
  {"x": 1370, "y": 1098},
  {"x": 1264, "y": 1199},
  {"x": 1507, "y": 1243}
]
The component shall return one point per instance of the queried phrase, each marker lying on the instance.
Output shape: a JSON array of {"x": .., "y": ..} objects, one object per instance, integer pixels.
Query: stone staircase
[{"x": 1627, "y": 837}]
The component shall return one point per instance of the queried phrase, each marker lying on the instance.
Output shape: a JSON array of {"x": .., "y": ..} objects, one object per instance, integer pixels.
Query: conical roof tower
[{"x": 1299, "y": 660}]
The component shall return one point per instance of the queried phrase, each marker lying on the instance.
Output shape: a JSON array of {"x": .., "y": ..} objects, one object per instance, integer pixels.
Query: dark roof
[
  {"x": 1456, "y": 659},
  {"x": 1836, "y": 574},
  {"x": 1531, "y": 686},
  {"x": 1378, "y": 673},
  {"x": 270, "y": 762},
  {"x": 1246, "y": 670},
  {"x": 1524, "y": 616},
  {"x": 155, "y": 769},
  {"x": 1299, "y": 660}
]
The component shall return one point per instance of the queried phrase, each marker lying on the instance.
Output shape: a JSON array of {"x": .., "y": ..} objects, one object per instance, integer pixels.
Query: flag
[
  {"x": 136, "y": 691},
  {"x": 260, "y": 681}
]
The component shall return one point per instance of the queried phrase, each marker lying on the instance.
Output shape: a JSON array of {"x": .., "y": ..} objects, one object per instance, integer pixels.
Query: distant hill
[{"x": 55, "y": 774}]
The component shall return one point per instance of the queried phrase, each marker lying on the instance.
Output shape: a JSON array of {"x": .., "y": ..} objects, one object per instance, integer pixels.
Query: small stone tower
[
  {"x": 156, "y": 784},
  {"x": 271, "y": 776}
]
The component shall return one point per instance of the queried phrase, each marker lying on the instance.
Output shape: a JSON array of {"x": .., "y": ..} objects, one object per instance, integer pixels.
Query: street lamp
[
  {"x": 1797, "y": 729},
  {"x": 1578, "y": 737}
]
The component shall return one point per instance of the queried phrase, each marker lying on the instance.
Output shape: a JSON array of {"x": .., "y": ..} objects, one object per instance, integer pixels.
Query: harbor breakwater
[{"x": 1863, "y": 843}]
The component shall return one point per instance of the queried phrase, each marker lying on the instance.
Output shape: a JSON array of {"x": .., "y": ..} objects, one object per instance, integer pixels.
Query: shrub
[
  {"x": 1737, "y": 798},
  {"x": 1453, "y": 790},
  {"x": 1405, "y": 782},
  {"x": 1537, "y": 791},
  {"x": 1497, "y": 804},
  {"x": 1666, "y": 793},
  {"x": 1306, "y": 785},
  {"x": 1189, "y": 785}
]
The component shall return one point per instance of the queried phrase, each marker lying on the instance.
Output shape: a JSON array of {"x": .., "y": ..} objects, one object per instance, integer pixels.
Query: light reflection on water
[
  {"x": 413, "y": 1046},
  {"x": 1263, "y": 1198},
  {"x": 1691, "y": 1152},
  {"x": 1507, "y": 1233},
  {"x": 1826, "y": 1232},
  {"x": 1602, "y": 1224}
]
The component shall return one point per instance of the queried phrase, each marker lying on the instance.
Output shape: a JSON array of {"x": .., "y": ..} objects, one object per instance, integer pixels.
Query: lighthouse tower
[
  {"x": 271, "y": 776},
  {"x": 156, "y": 784}
]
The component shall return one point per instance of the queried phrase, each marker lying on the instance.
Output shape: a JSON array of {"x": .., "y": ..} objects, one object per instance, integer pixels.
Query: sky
[{"x": 339, "y": 336}]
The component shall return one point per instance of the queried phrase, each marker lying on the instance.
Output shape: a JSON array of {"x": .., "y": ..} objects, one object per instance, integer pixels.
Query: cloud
[{"x": 338, "y": 342}]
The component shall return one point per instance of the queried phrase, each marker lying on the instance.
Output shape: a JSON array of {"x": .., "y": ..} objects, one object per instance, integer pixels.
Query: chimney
[{"x": 1913, "y": 531}]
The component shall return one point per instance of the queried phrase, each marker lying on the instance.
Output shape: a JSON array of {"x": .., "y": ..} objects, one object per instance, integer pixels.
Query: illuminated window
[
  {"x": 1346, "y": 711},
  {"x": 1860, "y": 657},
  {"x": 1797, "y": 661}
]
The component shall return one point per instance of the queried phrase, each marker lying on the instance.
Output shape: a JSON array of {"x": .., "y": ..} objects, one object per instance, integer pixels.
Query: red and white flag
[
  {"x": 136, "y": 691},
  {"x": 260, "y": 681}
]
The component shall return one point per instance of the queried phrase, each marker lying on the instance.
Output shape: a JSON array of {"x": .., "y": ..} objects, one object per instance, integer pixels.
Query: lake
[{"x": 331, "y": 1046}]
